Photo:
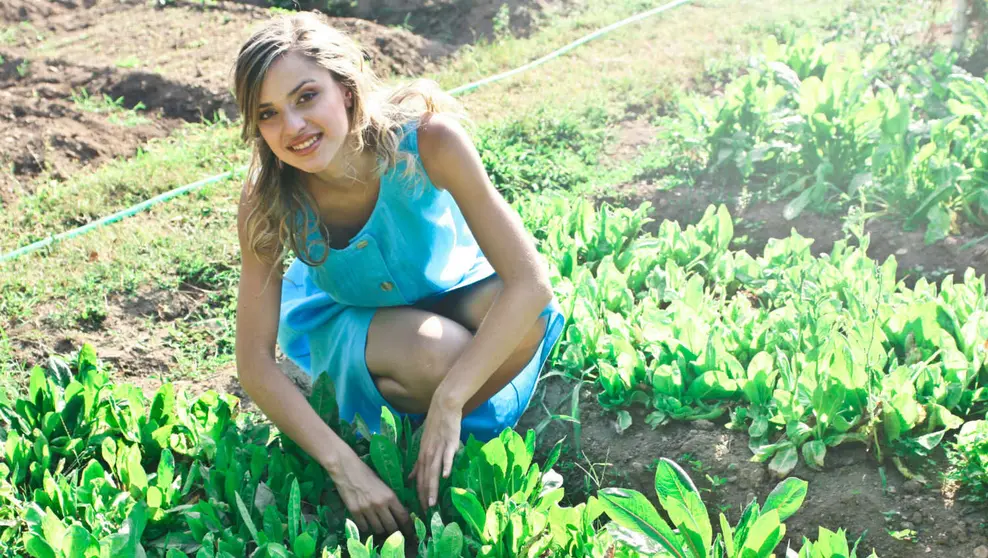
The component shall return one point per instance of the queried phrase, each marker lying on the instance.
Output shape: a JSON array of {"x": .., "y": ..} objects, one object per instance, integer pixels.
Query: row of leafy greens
[{"x": 92, "y": 469}]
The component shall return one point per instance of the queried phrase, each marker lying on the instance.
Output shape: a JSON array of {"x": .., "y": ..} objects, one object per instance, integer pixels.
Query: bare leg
[{"x": 410, "y": 350}]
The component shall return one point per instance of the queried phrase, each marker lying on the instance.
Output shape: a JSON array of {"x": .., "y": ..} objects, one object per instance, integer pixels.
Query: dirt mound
[
  {"x": 45, "y": 128},
  {"x": 197, "y": 45},
  {"x": 56, "y": 15},
  {"x": 456, "y": 22}
]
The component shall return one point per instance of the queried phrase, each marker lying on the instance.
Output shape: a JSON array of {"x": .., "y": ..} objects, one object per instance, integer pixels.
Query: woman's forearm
[
  {"x": 510, "y": 318},
  {"x": 286, "y": 407}
]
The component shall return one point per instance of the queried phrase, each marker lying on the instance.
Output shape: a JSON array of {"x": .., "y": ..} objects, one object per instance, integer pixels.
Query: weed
[
  {"x": 502, "y": 22},
  {"x": 119, "y": 114},
  {"x": 128, "y": 62},
  {"x": 968, "y": 456}
]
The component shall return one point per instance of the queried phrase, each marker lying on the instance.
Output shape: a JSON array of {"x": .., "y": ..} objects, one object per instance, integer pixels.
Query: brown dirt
[
  {"x": 848, "y": 494},
  {"x": 455, "y": 22},
  {"x": 45, "y": 131},
  {"x": 175, "y": 61},
  {"x": 132, "y": 338},
  {"x": 629, "y": 137}
]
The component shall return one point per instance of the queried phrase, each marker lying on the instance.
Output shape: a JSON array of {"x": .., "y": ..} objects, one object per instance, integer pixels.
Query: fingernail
[{"x": 432, "y": 502}]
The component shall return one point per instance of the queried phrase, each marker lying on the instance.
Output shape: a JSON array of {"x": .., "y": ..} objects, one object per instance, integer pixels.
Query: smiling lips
[{"x": 307, "y": 145}]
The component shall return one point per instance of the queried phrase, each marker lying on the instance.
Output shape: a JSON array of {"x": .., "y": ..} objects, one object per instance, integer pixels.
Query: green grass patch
[
  {"x": 105, "y": 104},
  {"x": 128, "y": 62}
]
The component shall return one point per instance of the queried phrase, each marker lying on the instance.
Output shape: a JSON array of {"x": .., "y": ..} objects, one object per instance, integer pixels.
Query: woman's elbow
[{"x": 541, "y": 289}]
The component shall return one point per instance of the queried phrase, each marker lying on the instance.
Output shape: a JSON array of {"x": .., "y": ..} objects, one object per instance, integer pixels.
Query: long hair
[{"x": 275, "y": 196}]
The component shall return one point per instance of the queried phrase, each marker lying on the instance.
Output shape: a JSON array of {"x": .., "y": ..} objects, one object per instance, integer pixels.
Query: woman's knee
[{"x": 414, "y": 348}]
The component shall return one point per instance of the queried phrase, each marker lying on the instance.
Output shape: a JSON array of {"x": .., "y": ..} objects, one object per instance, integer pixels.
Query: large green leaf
[
  {"x": 245, "y": 515},
  {"x": 387, "y": 461},
  {"x": 294, "y": 512},
  {"x": 394, "y": 546},
  {"x": 764, "y": 535},
  {"x": 164, "y": 402},
  {"x": 681, "y": 500},
  {"x": 323, "y": 401},
  {"x": 786, "y": 498},
  {"x": 468, "y": 505},
  {"x": 451, "y": 542},
  {"x": 784, "y": 461},
  {"x": 37, "y": 547},
  {"x": 305, "y": 546},
  {"x": 632, "y": 510}
]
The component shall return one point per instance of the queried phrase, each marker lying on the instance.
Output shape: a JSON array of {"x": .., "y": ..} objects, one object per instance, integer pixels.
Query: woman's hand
[
  {"x": 371, "y": 503},
  {"x": 440, "y": 440}
]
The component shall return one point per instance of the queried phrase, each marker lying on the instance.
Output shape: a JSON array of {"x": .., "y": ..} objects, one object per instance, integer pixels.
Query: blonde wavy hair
[{"x": 275, "y": 196}]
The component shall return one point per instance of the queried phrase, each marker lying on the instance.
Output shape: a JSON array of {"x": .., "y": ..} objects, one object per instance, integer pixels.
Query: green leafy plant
[
  {"x": 757, "y": 534},
  {"x": 828, "y": 545},
  {"x": 968, "y": 456}
]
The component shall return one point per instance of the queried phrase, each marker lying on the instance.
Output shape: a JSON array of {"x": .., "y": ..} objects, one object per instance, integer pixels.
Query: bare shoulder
[
  {"x": 446, "y": 149},
  {"x": 440, "y": 133}
]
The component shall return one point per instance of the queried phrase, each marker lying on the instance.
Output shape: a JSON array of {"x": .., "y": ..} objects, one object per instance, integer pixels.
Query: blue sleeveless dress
[{"x": 416, "y": 246}]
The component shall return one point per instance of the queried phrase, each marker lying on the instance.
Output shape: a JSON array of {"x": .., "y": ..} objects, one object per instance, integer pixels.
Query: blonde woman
[{"x": 415, "y": 286}]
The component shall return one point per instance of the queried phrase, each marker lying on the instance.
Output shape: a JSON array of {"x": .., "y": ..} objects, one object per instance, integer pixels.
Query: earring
[{"x": 280, "y": 165}]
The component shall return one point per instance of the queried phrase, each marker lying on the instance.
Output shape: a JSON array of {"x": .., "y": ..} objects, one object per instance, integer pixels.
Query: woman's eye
[
  {"x": 265, "y": 115},
  {"x": 306, "y": 97}
]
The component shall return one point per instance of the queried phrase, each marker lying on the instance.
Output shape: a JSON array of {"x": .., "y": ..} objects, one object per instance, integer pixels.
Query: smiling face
[{"x": 302, "y": 114}]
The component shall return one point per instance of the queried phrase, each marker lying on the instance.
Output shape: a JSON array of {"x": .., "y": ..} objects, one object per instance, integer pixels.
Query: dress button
[
  {"x": 387, "y": 286},
  {"x": 361, "y": 245}
]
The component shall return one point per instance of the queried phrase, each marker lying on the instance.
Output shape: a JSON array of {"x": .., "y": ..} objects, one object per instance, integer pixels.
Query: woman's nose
[{"x": 294, "y": 123}]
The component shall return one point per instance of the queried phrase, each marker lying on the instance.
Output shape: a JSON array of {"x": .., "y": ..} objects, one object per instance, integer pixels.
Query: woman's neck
[{"x": 346, "y": 173}]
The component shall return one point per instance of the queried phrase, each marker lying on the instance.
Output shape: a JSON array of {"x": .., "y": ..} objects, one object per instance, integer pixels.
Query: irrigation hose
[{"x": 122, "y": 214}]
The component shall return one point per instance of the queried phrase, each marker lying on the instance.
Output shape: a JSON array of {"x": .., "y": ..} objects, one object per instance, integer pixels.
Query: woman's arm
[
  {"x": 452, "y": 163},
  {"x": 372, "y": 504},
  {"x": 258, "y": 306}
]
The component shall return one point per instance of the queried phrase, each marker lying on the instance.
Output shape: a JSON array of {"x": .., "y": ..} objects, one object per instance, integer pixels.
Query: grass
[
  {"x": 119, "y": 114},
  {"x": 12, "y": 34},
  {"x": 128, "y": 62},
  {"x": 670, "y": 51},
  {"x": 191, "y": 240}
]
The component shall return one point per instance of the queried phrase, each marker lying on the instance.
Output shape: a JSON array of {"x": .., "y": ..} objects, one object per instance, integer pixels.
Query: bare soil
[
  {"x": 175, "y": 61},
  {"x": 848, "y": 494}
]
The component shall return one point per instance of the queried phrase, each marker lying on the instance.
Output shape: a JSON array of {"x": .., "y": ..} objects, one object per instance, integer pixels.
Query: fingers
[
  {"x": 448, "y": 459},
  {"x": 420, "y": 483},
  {"x": 358, "y": 519},
  {"x": 435, "y": 466},
  {"x": 422, "y": 480},
  {"x": 399, "y": 513},
  {"x": 384, "y": 514},
  {"x": 374, "y": 521}
]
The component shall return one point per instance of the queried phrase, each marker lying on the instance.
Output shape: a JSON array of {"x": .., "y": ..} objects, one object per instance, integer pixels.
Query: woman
[{"x": 415, "y": 286}]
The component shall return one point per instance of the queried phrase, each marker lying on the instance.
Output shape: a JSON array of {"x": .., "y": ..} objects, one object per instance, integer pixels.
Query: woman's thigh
[{"x": 410, "y": 350}]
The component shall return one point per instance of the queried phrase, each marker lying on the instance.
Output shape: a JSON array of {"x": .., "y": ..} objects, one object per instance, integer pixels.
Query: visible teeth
[{"x": 305, "y": 145}]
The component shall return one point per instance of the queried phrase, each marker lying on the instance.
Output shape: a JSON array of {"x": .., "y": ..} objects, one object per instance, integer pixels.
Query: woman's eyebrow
[{"x": 290, "y": 93}]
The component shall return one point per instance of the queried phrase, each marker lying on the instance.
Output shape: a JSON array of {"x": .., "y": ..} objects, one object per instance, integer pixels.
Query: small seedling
[{"x": 129, "y": 62}]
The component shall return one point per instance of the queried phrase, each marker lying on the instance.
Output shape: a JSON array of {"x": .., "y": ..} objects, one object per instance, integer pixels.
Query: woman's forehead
[{"x": 286, "y": 73}]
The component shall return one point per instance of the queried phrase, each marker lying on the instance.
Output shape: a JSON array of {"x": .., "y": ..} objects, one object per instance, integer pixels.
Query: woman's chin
[{"x": 310, "y": 166}]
